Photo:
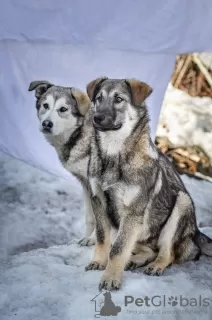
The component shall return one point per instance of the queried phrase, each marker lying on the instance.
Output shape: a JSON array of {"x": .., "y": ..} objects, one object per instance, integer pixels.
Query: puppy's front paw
[
  {"x": 154, "y": 269},
  {"x": 94, "y": 265},
  {"x": 109, "y": 283},
  {"x": 89, "y": 241}
]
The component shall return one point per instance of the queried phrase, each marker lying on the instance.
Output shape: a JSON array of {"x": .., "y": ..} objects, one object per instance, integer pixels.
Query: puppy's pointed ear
[
  {"x": 40, "y": 87},
  {"x": 83, "y": 102},
  {"x": 93, "y": 86},
  {"x": 139, "y": 90}
]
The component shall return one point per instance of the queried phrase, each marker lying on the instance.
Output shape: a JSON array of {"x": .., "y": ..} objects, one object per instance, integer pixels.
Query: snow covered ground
[
  {"x": 42, "y": 267},
  {"x": 37, "y": 209},
  {"x": 186, "y": 120}
]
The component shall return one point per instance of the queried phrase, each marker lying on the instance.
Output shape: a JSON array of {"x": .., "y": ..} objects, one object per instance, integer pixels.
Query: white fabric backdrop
[{"x": 70, "y": 42}]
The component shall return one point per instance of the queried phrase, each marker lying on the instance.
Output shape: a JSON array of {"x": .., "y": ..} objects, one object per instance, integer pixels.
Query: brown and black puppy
[
  {"x": 135, "y": 189},
  {"x": 65, "y": 120}
]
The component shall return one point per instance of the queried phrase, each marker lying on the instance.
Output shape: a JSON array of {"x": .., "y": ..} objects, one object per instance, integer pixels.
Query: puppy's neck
[
  {"x": 112, "y": 142},
  {"x": 60, "y": 140},
  {"x": 133, "y": 138},
  {"x": 140, "y": 143}
]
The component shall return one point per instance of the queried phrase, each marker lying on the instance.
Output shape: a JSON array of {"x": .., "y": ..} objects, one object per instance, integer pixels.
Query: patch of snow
[
  {"x": 37, "y": 210},
  {"x": 52, "y": 284},
  {"x": 42, "y": 267},
  {"x": 186, "y": 120}
]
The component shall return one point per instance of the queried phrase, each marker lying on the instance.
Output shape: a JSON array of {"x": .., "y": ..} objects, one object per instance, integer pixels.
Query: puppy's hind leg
[
  {"x": 171, "y": 234},
  {"x": 187, "y": 250},
  {"x": 163, "y": 260},
  {"x": 140, "y": 259}
]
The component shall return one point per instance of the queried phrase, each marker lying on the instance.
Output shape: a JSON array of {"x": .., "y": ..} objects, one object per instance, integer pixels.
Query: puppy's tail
[{"x": 204, "y": 243}]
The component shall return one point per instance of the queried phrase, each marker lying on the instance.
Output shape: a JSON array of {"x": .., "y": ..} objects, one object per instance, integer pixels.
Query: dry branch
[
  {"x": 189, "y": 160},
  {"x": 202, "y": 68},
  {"x": 192, "y": 76}
]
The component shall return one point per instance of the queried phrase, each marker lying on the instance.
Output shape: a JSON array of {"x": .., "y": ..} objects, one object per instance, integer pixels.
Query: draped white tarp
[{"x": 70, "y": 42}]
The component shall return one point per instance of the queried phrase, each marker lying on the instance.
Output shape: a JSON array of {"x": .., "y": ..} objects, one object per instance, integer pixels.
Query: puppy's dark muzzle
[
  {"x": 104, "y": 122},
  {"x": 47, "y": 126}
]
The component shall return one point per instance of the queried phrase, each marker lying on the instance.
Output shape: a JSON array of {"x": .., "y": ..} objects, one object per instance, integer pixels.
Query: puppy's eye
[
  {"x": 63, "y": 109},
  {"x": 46, "y": 106},
  {"x": 99, "y": 98},
  {"x": 118, "y": 99}
]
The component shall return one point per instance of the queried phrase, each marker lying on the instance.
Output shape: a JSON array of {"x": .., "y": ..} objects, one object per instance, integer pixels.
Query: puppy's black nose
[
  {"x": 47, "y": 124},
  {"x": 98, "y": 118}
]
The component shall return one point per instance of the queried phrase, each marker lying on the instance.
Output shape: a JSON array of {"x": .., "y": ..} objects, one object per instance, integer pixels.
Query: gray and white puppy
[
  {"x": 65, "y": 121},
  {"x": 141, "y": 194}
]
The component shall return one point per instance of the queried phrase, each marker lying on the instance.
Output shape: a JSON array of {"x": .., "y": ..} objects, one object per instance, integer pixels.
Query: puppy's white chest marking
[
  {"x": 112, "y": 142},
  {"x": 126, "y": 194},
  {"x": 130, "y": 194}
]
